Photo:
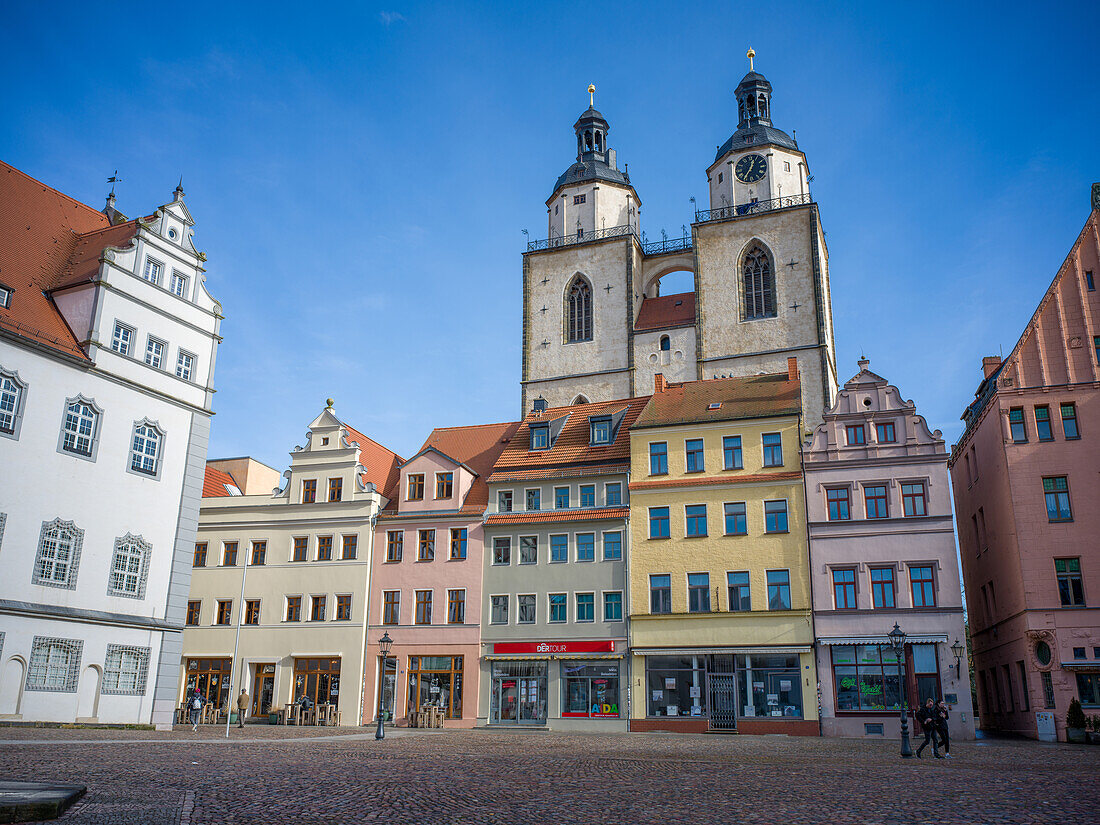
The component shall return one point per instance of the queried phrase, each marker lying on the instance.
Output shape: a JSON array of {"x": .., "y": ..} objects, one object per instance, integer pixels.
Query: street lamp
[
  {"x": 897, "y": 642},
  {"x": 958, "y": 650},
  {"x": 384, "y": 645}
]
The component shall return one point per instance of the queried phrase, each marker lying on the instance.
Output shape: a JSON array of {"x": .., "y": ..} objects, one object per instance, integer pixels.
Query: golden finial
[
  {"x": 329, "y": 402},
  {"x": 591, "y": 96},
  {"x": 750, "y": 54}
]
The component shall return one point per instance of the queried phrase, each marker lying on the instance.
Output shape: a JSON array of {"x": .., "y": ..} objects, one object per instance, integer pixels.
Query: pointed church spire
[{"x": 179, "y": 189}]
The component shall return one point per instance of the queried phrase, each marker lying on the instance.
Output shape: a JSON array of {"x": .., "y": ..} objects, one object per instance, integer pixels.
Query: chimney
[
  {"x": 792, "y": 369},
  {"x": 539, "y": 406},
  {"x": 990, "y": 364},
  {"x": 659, "y": 384}
]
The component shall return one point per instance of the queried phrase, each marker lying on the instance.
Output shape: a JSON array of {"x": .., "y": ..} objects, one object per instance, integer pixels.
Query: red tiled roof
[
  {"x": 213, "y": 484},
  {"x": 755, "y": 478},
  {"x": 666, "y": 311},
  {"x": 47, "y": 240},
  {"x": 571, "y": 447},
  {"x": 478, "y": 447},
  {"x": 753, "y": 396},
  {"x": 383, "y": 466},
  {"x": 592, "y": 514},
  {"x": 570, "y": 472}
]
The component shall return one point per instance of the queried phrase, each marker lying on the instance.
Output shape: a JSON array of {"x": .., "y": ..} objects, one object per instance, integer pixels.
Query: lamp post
[
  {"x": 897, "y": 642},
  {"x": 958, "y": 650},
  {"x": 384, "y": 645}
]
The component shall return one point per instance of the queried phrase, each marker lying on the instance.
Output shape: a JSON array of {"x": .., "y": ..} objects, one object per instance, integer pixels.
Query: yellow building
[{"x": 720, "y": 619}]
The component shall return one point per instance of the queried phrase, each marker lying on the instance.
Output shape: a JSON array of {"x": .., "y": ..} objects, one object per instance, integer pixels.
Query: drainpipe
[
  {"x": 366, "y": 616},
  {"x": 628, "y": 657},
  {"x": 809, "y": 568}
]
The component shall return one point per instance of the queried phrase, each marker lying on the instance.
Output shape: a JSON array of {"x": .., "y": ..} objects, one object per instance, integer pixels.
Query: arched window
[
  {"x": 145, "y": 449},
  {"x": 759, "y": 281},
  {"x": 81, "y": 427},
  {"x": 129, "y": 568},
  {"x": 762, "y": 105},
  {"x": 666, "y": 344},
  {"x": 579, "y": 311},
  {"x": 58, "y": 555},
  {"x": 580, "y": 399}
]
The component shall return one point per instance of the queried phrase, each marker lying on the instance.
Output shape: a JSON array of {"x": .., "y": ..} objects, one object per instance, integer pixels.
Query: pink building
[
  {"x": 426, "y": 577},
  {"x": 882, "y": 551},
  {"x": 1026, "y": 477}
]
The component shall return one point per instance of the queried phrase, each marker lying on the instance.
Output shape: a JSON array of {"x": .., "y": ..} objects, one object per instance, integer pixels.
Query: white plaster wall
[
  {"x": 606, "y": 205},
  {"x": 779, "y": 181},
  {"x": 677, "y": 364}
]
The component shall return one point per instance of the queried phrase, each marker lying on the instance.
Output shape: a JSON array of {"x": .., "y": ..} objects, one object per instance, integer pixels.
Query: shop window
[
  {"x": 736, "y": 518},
  {"x": 1071, "y": 589},
  {"x": 927, "y": 672},
  {"x": 674, "y": 686},
  {"x": 518, "y": 693},
  {"x": 210, "y": 677},
  {"x": 590, "y": 690},
  {"x": 317, "y": 679},
  {"x": 731, "y": 452},
  {"x": 839, "y": 503},
  {"x": 658, "y": 459},
  {"x": 774, "y": 682},
  {"x": 1088, "y": 689},
  {"x": 698, "y": 592},
  {"x": 882, "y": 587},
  {"x": 395, "y": 540},
  {"x": 660, "y": 594},
  {"x": 866, "y": 677},
  {"x": 436, "y": 681}
]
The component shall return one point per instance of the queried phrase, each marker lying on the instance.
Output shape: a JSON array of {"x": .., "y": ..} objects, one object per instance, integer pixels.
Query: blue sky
[{"x": 360, "y": 175}]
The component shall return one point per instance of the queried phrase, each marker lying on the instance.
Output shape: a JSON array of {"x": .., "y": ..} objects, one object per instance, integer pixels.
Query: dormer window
[
  {"x": 415, "y": 491},
  {"x": 600, "y": 430},
  {"x": 5, "y": 297},
  {"x": 444, "y": 485},
  {"x": 540, "y": 437}
]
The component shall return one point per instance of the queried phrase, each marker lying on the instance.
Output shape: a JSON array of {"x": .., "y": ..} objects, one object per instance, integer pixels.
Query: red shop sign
[{"x": 554, "y": 647}]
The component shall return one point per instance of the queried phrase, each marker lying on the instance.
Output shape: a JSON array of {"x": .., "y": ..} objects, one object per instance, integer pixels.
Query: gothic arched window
[
  {"x": 578, "y": 311},
  {"x": 759, "y": 284}
]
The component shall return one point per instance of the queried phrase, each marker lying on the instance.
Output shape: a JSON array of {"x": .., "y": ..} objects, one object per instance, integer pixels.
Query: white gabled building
[{"x": 107, "y": 346}]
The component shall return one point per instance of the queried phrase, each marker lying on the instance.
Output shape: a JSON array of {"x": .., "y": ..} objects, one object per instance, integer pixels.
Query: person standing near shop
[
  {"x": 194, "y": 704},
  {"x": 242, "y": 707},
  {"x": 942, "y": 715},
  {"x": 927, "y": 718}
]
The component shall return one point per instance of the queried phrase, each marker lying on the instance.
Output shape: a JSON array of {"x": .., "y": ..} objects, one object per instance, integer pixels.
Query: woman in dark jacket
[
  {"x": 942, "y": 715},
  {"x": 927, "y": 718}
]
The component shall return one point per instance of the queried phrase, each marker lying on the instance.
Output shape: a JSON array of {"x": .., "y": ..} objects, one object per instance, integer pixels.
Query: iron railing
[
  {"x": 583, "y": 237},
  {"x": 667, "y": 245},
  {"x": 743, "y": 210}
]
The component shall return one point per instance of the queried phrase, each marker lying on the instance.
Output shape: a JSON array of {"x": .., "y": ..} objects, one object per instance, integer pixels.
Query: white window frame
[
  {"x": 178, "y": 277},
  {"x": 125, "y": 670},
  {"x": 12, "y": 386},
  {"x": 190, "y": 371},
  {"x": 47, "y": 557},
  {"x": 507, "y": 605},
  {"x": 5, "y": 296},
  {"x": 150, "y": 263},
  {"x": 130, "y": 563},
  {"x": 97, "y": 422},
  {"x": 125, "y": 347},
  {"x": 534, "y": 608},
  {"x": 576, "y": 607},
  {"x": 43, "y": 658},
  {"x": 151, "y": 342},
  {"x": 147, "y": 432}
]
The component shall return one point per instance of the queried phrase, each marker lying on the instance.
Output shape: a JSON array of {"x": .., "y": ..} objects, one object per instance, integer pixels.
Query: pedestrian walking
[
  {"x": 194, "y": 704},
  {"x": 927, "y": 718},
  {"x": 242, "y": 706},
  {"x": 942, "y": 715}
]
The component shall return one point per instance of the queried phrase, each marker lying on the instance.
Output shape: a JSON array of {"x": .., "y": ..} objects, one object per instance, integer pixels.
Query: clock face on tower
[{"x": 751, "y": 168}]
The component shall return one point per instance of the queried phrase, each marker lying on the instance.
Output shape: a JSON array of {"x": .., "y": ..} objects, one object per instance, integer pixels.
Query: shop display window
[
  {"x": 518, "y": 693},
  {"x": 866, "y": 677},
  {"x": 590, "y": 690},
  {"x": 436, "y": 681},
  {"x": 675, "y": 686},
  {"x": 769, "y": 685}
]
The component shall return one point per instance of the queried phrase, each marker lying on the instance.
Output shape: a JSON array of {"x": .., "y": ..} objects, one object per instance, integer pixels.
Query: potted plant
[
  {"x": 1075, "y": 722},
  {"x": 1093, "y": 734}
]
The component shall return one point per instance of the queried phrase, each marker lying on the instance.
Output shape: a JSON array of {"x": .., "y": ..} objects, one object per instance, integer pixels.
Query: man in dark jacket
[
  {"x": 942, "y": 715},
  {"x": 927, "y": 718}
]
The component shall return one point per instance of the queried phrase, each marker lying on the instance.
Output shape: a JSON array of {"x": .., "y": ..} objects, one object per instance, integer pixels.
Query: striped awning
[
  {"x": 707, "y": 651},
  {"x": 914, "y": 639}
]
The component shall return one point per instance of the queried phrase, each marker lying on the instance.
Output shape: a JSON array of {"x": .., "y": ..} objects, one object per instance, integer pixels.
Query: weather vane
[
  {"x": 591, "y": 96},
  {"x": 113, "y": 180}
]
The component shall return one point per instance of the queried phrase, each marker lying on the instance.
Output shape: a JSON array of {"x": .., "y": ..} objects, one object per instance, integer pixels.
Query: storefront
[
  {"x": 263, "y": 688},
  {"x": 211, "y": 678},
  {"x": 435, "y": 681},
  {"x": 319, "y": 679}
]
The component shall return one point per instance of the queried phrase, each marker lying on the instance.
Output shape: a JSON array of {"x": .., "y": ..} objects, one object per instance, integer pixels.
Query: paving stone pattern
[{"x": 272, "y": 775}]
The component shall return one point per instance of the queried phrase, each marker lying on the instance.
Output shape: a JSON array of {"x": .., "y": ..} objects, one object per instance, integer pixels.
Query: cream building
[{"x": 289, "y": 571}]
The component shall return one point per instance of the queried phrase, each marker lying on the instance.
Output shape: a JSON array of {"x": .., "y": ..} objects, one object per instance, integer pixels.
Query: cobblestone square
[{"x": 276, "y": 775}]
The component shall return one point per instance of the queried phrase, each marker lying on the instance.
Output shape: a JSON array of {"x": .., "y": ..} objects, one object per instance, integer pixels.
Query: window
[
  {"x": 558, "y": 607},
  {"x": 423, "y": 607},
  {"x": 343, "y": 608},
  {"x": 185, "y": 365},
  {"x": 58, "y": 554},
  {"x": 1071, "y": 589},
  {"x": 923, "y": 586},
  {"x": 11, "y": 404},
  {"x": 882, "y": 587},
  {"x": 736, "y": 518},
  {"x": 1088, "y": 688},
  {"x": 1043, "y": 430},
  {"x": 54, "y": 664},
  {"x": 444, "y": 485},
  {"x": 559, "y": 548},
  {"x": 884, "y": 432},
  {"x": 775, "y": 517},
  {"x": 317, "y": 608},
  {"x": 129, "y": 568},
  {"x": 875, "y": 498},
  {"x": 1025, "y": 693},
  {"x": 693, "y": 455},
  {"x": 415, "y": 487},
  {"x": 252, "y": 611},
  {"x": 1079, "y": 653},
  {"x": 1048, "y": 688},
  {"x": 152, "y": 271},
  {"x": 578, "y": 199},
  {"x": 665, "y": 343},
  {"x": 579, "y": 311},
  {"x": 586, "y": 607},
  {"x": 154, "y": 353},
  {"x": 194, "y": 609},
  {"x": 658, "y": 459},
  {"x": 199, "y": 559},
  {"x": 293, "y": 608},
  {"x": 612, "y": 546},
  {"x": 588, "y": 495},
  {"x": 586, "y": 546},
  {"x": 856, "y": 435},
  {"x": 502, "y": 550},
  {"x": 225, "y": 611},
  {"x": 540, "y": 437},
  {"x": 456, "y": 607},
  {"x": 335, "y": 489},
  {"x": 866, "y": 677},
  {"x": 350, "y": 548},
  {"x": 309, "y": 491},
  {"x": 395, "y": 540},
  {"x": 696, "y": 516},
  {"x": 391, "y": 607},
  {"x": 660, "y": 594},
  {"x": 731, "y": 452},
  {"x": 528, "y": 550},
  {"x": 425, "y": 545},
  {"x": 504, "y": 501},
  {"x": 658, "y": 523},
  {"x": 779, "y": 590},
  {"x": 698, "y": 592},
  {"x": 179, "y": 284},
  {"x": 1069, "y": 421},
  {"x": 458, "y": 543},
  {"x": 1089, "y": 284},
  {"x": 122, "y": 341},
  {"x": 1056, "y": 490},
  {"x": 613, "y": 607},
  {"x": 613, "y": 493},
  {"x": 561, "y": 498},
  {"x": 533, "y": 499},
  {"x": 1016, "y": 424},
  {"x": 599, "y": 431},
  {"x": 914, "y": 500},
  {"x": 759, "y": 285},
  {"x": 773, "y": 450},
  {"x": 839, "y": 503},
  {"x": 324, "y": 548},
  {"x": 81, "y": 428},
  {"x": 259, "y": 553},
  {"x": 498, "y": 610},
  {"x": 5, "y": 297},
  {"x": 844, "y": 589},
  {"x": 525, "y": 609},
  {"x": 301, "y": 548},
  {"x": 229, "y": 554},
  {"x": 738, "y": 584}
]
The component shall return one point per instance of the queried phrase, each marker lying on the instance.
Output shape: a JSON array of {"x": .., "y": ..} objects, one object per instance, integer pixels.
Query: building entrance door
[
  {"x": 722, "y": 701},
  {"x": 532, "y": 701},
  {"x": 518, "y": 694},
  {"x": 263, "y": 689},
  {"x": 504, "y": 699}
]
